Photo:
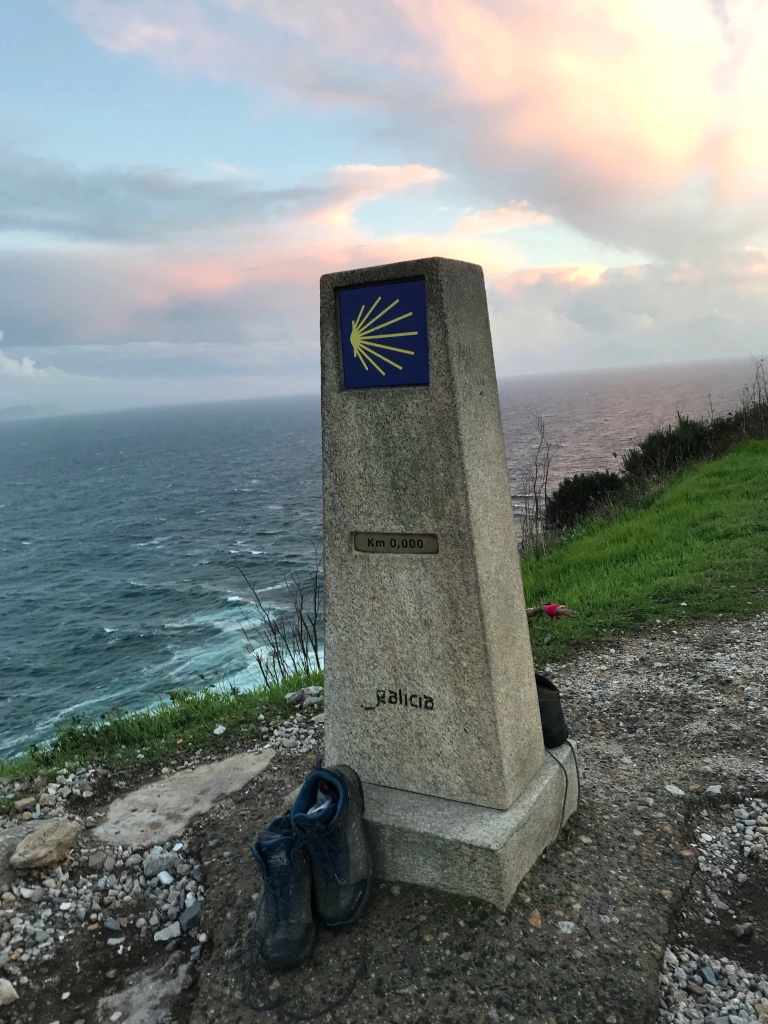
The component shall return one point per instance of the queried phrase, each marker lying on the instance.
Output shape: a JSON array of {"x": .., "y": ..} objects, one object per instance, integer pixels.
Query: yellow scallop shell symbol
[{"x": 366, "y": 339}]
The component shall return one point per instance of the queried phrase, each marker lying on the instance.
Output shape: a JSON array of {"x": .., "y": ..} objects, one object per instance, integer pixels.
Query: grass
[
  {"x": 160, "y": 734},
  {"x": 698, "y": 548}
]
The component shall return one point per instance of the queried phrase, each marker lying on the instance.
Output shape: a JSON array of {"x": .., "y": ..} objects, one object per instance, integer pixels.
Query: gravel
[
  {"x": 718, "y": 991},
  {"x": 51, "y": 903}
]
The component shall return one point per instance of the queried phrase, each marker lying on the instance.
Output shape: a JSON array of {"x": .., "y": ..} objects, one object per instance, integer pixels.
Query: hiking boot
[
  {"x": 552, "y": 719},
  {"x": 284, "y": 929},
  {"x": 328, "y": 816}
]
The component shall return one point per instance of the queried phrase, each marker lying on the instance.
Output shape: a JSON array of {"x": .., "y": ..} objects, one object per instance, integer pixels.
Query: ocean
[{"x": 124, "y": 536}]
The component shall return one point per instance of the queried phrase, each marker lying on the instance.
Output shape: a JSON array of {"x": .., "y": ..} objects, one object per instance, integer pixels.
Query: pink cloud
[{"x": 504, "y": 218}]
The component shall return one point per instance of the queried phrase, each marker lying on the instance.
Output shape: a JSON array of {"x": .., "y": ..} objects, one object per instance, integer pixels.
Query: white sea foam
[
  {"x": 108, "y": 630},
  {"x": 257, "y": 552}
]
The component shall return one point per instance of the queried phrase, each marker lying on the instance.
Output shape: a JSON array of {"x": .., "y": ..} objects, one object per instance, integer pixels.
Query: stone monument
[{"x": 429, "y": 682}]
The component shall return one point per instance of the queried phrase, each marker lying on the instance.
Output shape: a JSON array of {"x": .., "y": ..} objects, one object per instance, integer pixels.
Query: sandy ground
[{"x": 679, "y": 705}]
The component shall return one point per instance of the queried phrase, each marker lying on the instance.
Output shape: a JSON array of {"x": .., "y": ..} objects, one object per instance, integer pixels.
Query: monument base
[{"x": 477, "y": 852}]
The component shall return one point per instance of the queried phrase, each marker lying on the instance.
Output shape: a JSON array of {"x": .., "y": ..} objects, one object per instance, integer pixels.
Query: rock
[
  {"x": 195, "y": 953},
  {"x": 713, "y": 791},
  {"x": 112, "y": 924},
  {"x": 49, "y": 844},
  {"x": 8, "y": 993},
  {"x": 535, "y": 919},
  {"x": 117, "y": 941},
  {"x": 109, "y": 865},
  {"x": 190, "y": 918},
  {"x": 219, "y": 730},
  {"x": 158, "y": 860},
  {"x": 566, "y": 927},
  {"x": 171, "y": 931},
  {"x": 674, "y": 790},
  {"x": 96, "y": 860},
  {"x": 9, "y": 840},
  {"x": 165, "y": 878},
  {"x": 709, "y": 976},
  {"x": 299, "y": 697},
  {"x": 25, "y": 804},
  {"x": 47, "y": 800},
  {"x": 133, "y": 860}
]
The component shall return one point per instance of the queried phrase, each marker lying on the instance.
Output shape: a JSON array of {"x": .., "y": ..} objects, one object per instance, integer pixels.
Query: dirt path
[{"x": 684, "y": 707}]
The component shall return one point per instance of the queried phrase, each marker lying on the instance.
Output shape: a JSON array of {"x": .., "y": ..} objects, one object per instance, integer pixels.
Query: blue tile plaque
[{"x": 384, "y": 335}]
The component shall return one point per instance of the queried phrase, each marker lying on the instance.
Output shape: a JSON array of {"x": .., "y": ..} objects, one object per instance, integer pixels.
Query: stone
[
  {"x": 427, "y": 656},
  {"x": 165, "y": 877},
  {"x": 171, "y": 931},
  {"x": 9, "y": 840},
  {"x": 112, "y": 924},
  {"x": 47, "y": 800},
  {"x": 190, "y": 918},
  {"x": 96, "y": 860},
  {"x": 25, "y": 804},
  {"x": 473, "y": 851},
  {"x": 8, "y": 993},
  {"x": 674, "y": 790},
  {"x": 713, "y": 790},
  {"x": 148, "y": 996},
  {"x": 162, "y": 810},
  {"x": 48, "y": 844},
  {"x": 158, "y": 861},
  {"x": 219, "y": 730},
  {"x": 708, "y": 975},
  {"x": 429, "y": 681}
]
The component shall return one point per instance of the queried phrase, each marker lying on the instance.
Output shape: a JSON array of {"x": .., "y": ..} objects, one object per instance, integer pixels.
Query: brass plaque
[{"x": 397, "y": 543}]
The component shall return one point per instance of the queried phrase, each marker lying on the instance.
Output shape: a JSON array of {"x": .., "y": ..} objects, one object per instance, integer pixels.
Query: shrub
[{"x": 578, "y": 496}]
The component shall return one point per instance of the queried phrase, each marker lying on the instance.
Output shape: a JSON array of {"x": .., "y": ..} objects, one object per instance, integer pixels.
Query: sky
[{"x": 175, "y": 176}]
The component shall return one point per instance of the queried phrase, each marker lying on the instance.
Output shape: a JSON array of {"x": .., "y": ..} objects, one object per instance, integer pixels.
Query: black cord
[
  {"x": 256, "y": 1000},
  {"x": 565, "y": 794}
]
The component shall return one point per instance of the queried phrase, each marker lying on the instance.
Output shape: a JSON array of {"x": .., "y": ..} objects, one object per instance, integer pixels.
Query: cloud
[
  {"x": 640, "y": 124},
  {"x": 505, "y": 218},
  {"x": 140, "y": 205},
  {"x": 567, "y": 317}
]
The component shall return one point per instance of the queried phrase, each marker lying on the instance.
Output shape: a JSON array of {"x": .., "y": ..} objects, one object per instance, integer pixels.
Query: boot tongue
[{"x": 324, "y": 809}]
